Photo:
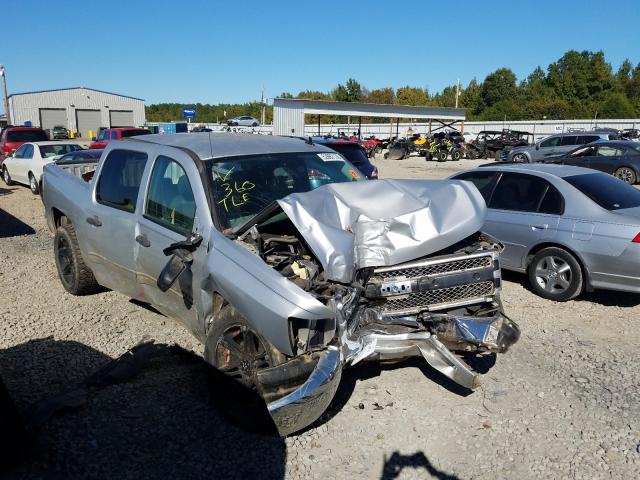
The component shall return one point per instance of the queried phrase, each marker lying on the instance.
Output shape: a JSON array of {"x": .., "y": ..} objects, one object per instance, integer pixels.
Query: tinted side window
[
  {"x": 553, "y": 202},
  {"x": 104, "y": 135},
  {"x": 519, "y": 192},
  {"x": 170, "y": 200},
  {"x": 19, "y": 153},
  {"x": 569, "y": 140},
  {"x": 120, "y": 179},
  {"x": 607, "y": 151},
  {"x": 114, "y": 135},
  {"x": 28, "y": 151},
  {"x": 582, "y": 139},
  {"x": 550, "y": 142},
  {"x": 484, "y": 181}
]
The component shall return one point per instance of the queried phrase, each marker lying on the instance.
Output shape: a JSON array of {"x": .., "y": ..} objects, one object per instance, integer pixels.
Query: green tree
[
  {"x": 498, "y": 85},
  {"x": 412, "y": 96},
  {"x": 381, "y": 95},
  {"x": 616, "y": 105}
]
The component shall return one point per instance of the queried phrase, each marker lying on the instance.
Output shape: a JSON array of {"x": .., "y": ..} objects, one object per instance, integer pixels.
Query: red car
[
  {"x": 12, "y": 138},
  {"x": 116, "y": 134}
]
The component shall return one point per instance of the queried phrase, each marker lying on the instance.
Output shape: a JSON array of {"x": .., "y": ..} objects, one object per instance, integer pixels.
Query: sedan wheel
[
  {"x": 520, "y": 157},
  {"x": 555, "y": 274},
  {"x": 33, "y": 185},
  {"x": 6, "y": 177},
  {"x": 627, "y": 175}
]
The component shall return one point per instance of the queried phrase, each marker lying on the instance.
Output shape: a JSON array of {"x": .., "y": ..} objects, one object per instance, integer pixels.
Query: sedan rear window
[
  {"x": 606, "y": 190},
  {"x": 26, "y": 136},
  {"x": 54, "y": 150}
]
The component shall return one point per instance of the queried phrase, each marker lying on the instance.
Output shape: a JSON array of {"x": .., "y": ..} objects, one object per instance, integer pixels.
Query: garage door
[
  {"x": 50, "y": 117},
  {"x": 121, "y": 118},
  {"x": 88, "y": 120}
]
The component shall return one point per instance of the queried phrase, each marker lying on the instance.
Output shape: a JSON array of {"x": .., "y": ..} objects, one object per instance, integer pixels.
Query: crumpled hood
[{"x": 384, "y": 222}]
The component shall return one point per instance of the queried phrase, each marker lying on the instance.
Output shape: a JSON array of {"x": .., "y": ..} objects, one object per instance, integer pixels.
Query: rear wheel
[
  {"x": 6, "y": 177},
  {"x": 456, "y": 154},
  {"x": 33, "y": 185},
  {"x": 627, "y": 175},
  {"x": 75, "y": 276},
  {"x": 555, "y": 274},
  {"x": 442, "y": 156}
]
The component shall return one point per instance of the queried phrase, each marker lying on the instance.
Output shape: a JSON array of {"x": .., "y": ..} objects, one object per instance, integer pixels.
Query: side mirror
[
  {"x": 180, "y": 258},
  {"x": 537, "y": 146},
  {"x": 171, "y": 271}
]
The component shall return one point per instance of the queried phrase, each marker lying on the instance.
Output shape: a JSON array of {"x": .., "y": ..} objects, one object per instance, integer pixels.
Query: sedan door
[
  {"x": 523, "y": 211},
  {"x": 23, "y": 163},
  {"x": 581, "y": 157},
  {"x": 607, "y": 158},
  {"x": 169, "y": 216}
]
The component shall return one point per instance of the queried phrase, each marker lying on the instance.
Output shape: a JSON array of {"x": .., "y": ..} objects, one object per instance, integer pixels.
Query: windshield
[
  {"x": 53, "y": 150},
  {"x": 606, "y": 190},
  {"x": 243, "y": 186},
  {"x": 133, "y": 133},
  {"x": 26, "y": 136}
]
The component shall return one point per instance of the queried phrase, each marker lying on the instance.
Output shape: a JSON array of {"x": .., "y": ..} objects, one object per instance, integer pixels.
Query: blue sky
[{"x": 210, "y": 52}]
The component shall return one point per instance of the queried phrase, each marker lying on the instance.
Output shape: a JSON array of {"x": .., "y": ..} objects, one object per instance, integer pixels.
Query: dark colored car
[
  {"x": 619, "y": 158},
  {"x": 353, "y": 152},
  {"x": 109, "y": 134},
  {"x": 80, "y": 156},
  {"x": 12, "y": 138},
  {"x": 59, "y": 132}
]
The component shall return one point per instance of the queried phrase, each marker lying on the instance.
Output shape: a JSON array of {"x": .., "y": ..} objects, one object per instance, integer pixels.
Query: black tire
[
  {"x": 6, "y": 177},
  {"x": 254, "y": 124},
  {"x": 236, "y": 392},
  {"x": 521, "y": 157},
  {"x": 627, "y": 175},
  {"x": 75, "y": 276},
  {"x": 497, "y": 155},
  {"x": 456, "y": 154},
  {"x": 33, "y": 185},
  {"x": 555, "y": 274},
  {"x": 442, "y": 156}
]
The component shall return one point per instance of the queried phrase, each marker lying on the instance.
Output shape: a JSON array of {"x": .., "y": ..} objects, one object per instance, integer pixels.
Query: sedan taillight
[{"x": 636, "y": 239}]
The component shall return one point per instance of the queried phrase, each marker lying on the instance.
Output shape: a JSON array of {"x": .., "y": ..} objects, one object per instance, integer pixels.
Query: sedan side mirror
[{"x": 537, "y": 146}]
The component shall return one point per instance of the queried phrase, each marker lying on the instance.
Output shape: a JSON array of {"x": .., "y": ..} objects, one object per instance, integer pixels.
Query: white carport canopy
[{"x": 288, "y": 114}]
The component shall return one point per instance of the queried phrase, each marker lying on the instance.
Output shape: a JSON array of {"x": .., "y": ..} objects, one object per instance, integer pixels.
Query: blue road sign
[{"x": 189, "y": 112}]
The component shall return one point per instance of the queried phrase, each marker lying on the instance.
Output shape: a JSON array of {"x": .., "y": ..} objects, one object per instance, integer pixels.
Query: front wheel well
[
  {"x": 59, "y": 218},
  {"x": 541, "y": 246}
]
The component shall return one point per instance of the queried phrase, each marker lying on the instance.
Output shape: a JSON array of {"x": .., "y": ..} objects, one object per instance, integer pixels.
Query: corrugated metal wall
[
  {"x": 288, "y": 120},
  {"x": 26, "y": 107}
]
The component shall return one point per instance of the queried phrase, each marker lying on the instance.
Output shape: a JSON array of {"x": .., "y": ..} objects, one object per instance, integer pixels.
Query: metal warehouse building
[{"x": 79, "y": 109}]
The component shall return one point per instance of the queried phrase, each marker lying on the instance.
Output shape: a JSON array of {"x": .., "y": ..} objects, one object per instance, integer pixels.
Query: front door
[
  {"x": 20, "y": 173},
  {"x": 111, "y": 220},
  {"x": 169, "y": 216},
  {"x": 523, "y": 210}
]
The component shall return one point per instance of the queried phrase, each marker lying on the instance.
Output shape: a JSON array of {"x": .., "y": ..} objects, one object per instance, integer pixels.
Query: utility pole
[
  {"x": 3, "y": 74},
  {"x": 263, "y": 108},
  {"x": 457, "y": 92}
]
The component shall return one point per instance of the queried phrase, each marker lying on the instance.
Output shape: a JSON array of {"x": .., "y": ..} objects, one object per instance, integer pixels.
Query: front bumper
[{"x": 306, "y": 403}]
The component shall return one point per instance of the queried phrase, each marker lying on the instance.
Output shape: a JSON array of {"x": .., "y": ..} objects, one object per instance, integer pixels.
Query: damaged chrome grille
[
  {"x": 484, "y": 261},
  {"x": 433, "y": 298}
]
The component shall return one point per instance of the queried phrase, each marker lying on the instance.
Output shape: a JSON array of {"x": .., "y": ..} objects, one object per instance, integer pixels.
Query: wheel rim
[
  {"x": 553, "y": 274},
  {"x": 625, "y": 174},
  {"x": 65, "y": 260},
  {"x": 519, "y": 158},
  {"x": 32, "y": 183},
  {"x": 5, "y": 174},
  {"x": 240, "y": 354}
]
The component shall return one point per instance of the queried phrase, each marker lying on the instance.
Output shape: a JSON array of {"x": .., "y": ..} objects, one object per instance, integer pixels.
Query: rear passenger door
[
  {"x": 168, "y": 216},
  {"x": 607, "y": 158},
  {"x": 110, "y": 221},
  {"x": 523, "y": 211}
]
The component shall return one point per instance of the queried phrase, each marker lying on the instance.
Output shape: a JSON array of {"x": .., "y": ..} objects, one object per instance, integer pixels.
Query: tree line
[{"x": 578, "y": 85}]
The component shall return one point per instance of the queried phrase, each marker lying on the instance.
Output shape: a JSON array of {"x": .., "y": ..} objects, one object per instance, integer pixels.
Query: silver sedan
[{"x": 568, "y": 228}]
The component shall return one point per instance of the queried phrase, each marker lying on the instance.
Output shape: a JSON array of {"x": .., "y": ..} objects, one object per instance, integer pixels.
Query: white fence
[{"x": 539, "y": 128}]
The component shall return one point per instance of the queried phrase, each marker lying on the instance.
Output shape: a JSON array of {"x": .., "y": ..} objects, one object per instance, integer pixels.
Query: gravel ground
[{"x": 563, "y": 403}]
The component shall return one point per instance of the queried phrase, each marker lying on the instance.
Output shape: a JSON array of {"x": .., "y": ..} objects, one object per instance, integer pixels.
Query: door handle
[
  {"x": 142, "y": 240},
  {"x": 539, "y": 227},
  {"x": 95, "y": 221}
]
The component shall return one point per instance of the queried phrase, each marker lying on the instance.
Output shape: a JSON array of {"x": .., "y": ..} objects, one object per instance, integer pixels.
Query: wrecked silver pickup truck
[{"x": 283, "y": 261}]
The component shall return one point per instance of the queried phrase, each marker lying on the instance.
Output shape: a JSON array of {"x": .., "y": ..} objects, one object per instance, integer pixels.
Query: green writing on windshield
[{"x": 235, "y": 193}]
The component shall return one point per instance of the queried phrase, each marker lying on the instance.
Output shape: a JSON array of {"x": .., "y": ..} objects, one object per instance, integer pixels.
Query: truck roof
[{"x": 208, "y": 145}]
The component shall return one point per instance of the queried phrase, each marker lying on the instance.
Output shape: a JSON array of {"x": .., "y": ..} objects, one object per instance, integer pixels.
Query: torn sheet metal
[{"x": 384, "y": 222}]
